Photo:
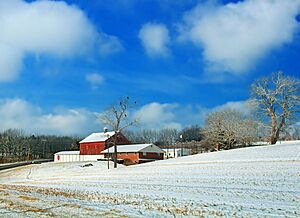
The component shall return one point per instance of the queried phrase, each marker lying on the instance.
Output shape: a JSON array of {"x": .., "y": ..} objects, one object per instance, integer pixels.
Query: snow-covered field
[{"x": 261, "y": 181}]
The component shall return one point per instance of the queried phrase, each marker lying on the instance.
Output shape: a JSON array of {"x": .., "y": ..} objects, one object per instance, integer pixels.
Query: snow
[
  {"x": 262, "y": 181},
  {"x": 98, "y": 137},
  {"x": 135, "y": 148}
]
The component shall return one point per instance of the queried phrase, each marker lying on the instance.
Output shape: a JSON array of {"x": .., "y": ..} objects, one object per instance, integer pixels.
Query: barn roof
[
  {"x": 68, "y": 152},
  {"x": 98, "y": 137},
  {"x": 135, "y": 148}
]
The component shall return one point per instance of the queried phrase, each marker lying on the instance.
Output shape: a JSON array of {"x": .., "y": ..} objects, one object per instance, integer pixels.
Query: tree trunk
[
  {"x": 273, "y": 139},
  {"x": 115, "y": 156},
  {"x": 275, "y": 136},
  {"x": 115, "y": 149}
]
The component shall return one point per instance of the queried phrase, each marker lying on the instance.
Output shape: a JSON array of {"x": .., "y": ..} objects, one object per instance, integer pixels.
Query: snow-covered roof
[
  {"x": 68, "y": 152},
  {"x": 135, "y": 148},
  {"x": 98, "y": 137}
]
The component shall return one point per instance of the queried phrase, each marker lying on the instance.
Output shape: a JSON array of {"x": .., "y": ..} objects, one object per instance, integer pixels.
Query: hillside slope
[{"x": 254, "y": 181}]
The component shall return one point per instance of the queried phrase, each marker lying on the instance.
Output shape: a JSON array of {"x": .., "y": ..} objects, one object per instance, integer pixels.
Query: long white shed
[
  {"x": 73, "y": 156},
  {"x": 67, "y": 156}
]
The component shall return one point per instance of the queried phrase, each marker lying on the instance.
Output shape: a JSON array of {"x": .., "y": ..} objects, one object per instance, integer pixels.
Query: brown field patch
[
  {"x": 28, "y": 198},
  {"x": 73, "y": 205}
]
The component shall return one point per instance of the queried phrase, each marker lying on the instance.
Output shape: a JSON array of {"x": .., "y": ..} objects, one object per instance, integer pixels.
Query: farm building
[
  {"x": 177, "y": 152},
  {"x": 97, "y": 142},
  {"x": 66, "y": 156},
  {"x": 74, "y": 156},
  {"x": 91, "y": 147},
  {"x": 138, "y": 153}
]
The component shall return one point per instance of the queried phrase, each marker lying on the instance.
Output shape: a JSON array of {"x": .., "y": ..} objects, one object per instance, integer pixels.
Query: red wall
[
  {"x": 91, "y": 148},
  {"x": 134, "y": 157},
  {"x": 95, "y": 148},
  {"x": 151, "y": 156}
]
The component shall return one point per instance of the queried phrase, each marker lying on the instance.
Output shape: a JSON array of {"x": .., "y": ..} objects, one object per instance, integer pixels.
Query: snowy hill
[{"x": 253, "y": 181}]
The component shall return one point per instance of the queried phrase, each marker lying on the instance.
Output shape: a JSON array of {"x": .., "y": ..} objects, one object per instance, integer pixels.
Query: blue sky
[{"x": 61, "y": 62}]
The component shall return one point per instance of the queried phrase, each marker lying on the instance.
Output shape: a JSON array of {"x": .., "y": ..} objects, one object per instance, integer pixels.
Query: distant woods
[
  {"x": 189, "y": 137},
  {"x": 15, "y": 145}
]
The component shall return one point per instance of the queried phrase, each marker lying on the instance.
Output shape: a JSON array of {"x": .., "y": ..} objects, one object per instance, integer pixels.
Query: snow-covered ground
[{"x": 261, "y": 181}]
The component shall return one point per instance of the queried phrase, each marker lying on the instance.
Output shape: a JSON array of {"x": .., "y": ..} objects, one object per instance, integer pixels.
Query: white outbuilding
[
  {"x": 177, "y": 152},
  {"x": 67, "y": 156}
]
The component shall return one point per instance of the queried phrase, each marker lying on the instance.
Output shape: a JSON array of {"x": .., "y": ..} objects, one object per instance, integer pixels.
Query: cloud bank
[
  {"x": 46, "y": 28},
  {"x": 242, "y": 106},
  {"x": 157, "y": 116},
  {"x": 171, "y": 115},
  {"x": 155, "y": 39},
  {"x": 20, "y": 114},
  {"x": 236, "y": 36}
]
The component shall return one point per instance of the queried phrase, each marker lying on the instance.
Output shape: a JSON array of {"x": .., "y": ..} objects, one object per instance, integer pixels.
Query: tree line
[{"x": 16, "y": 145}]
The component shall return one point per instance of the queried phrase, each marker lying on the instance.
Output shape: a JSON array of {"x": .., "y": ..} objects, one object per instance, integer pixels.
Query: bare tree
[
  {"x": 12, "y": 142},
  {"x": 291, "y": 132},
  {"x": 142, "y": 136},
  {"x": 277, "y": 100},
  {"x": 229, "y": 128},
  {"x": 117, "y": 117},
  {"x": 167, "y": 138},
  {"x": 149, "y": 135},
  {"x": 192, "y": 133}
]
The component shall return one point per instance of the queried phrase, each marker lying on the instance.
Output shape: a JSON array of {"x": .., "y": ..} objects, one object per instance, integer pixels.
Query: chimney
[{"x": 105, "y": 129}]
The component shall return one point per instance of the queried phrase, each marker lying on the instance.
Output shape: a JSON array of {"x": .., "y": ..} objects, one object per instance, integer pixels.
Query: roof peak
[{"x": 98, "y": 137}]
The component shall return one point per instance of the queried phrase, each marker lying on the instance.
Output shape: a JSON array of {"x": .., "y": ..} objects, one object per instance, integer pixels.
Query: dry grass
[
  {"x": 28, "y": 198},
  {"x": 111, "y": 199}
]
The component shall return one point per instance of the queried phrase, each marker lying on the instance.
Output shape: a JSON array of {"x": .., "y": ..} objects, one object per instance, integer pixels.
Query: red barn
[
  {"x": 136, "y": 153},
  {"x": 95, "y": 143}
]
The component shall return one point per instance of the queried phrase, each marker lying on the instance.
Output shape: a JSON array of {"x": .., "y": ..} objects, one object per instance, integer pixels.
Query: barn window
[{"x": 144, "y": 153}]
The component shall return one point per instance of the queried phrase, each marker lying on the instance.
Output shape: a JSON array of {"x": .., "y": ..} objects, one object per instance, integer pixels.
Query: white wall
[
  {"x": 76, "y": 157},
  {"x": 169, "y": 153},
  {"x": 66, "y": 158}
]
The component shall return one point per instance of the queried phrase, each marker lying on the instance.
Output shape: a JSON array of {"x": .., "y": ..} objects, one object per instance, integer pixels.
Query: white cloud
[
  {"x": 20, "y": 114},
  {"x": 157, "y": 116},
  {"x": 10, "y": 62},
  {"x": 155, "y": 39},
  {"x": 241, "y": 106},
  {"x": 235, "y": 36},
  {"x": 46, "y": 27},
  {"x": 109, "y": 45},
  {"x": 95, "y": 80}
]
